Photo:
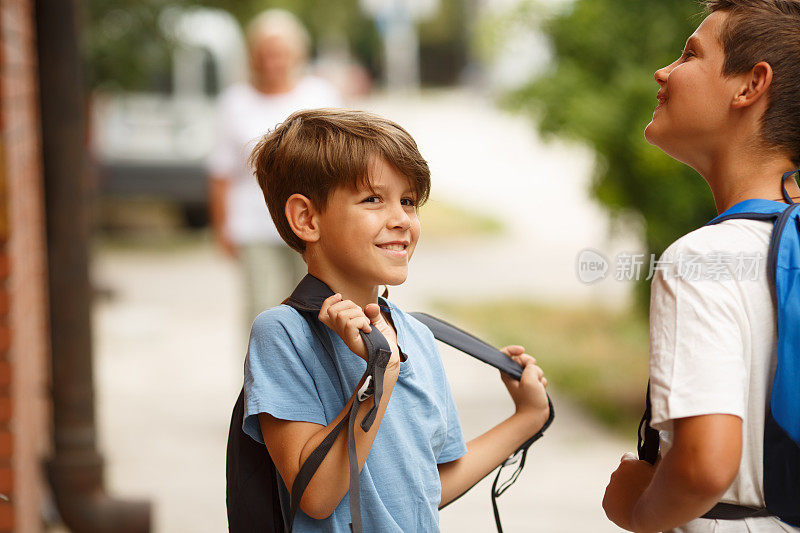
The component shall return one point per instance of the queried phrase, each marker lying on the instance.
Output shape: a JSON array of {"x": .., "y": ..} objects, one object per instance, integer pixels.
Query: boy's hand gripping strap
[
  {"x": 472, "y": 345},
  {"x": 378, "y": 355}
]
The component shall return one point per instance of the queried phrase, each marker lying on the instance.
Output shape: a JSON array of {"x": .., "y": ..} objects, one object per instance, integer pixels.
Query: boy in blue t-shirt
[{"x": 343, "y": 188}]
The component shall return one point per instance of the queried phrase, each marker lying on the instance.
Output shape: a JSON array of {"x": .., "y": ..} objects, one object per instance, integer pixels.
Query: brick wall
[{"x": 24, "y": 416}]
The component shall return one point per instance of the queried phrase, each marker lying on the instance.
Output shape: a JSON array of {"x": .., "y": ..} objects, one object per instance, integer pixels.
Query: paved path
[{"x": 169, "y": 346}]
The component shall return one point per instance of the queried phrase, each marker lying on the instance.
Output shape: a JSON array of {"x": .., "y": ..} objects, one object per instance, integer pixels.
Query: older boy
[
  {"x": 730, "y": 108},
  {"x": 343, "y": 188}
]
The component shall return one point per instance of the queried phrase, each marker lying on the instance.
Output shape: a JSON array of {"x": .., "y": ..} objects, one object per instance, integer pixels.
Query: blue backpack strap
[{"x": 782, "y": 425}]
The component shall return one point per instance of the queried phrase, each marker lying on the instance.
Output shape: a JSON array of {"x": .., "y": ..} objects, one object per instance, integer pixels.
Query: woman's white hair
[{"x": 281, "y": 23}]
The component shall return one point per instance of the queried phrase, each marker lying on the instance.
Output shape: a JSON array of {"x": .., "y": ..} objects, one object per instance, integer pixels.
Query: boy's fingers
[
  {"x": 329, "y": 301},
  {"x": 348, "y": 314},
  {"x": 338, "y": 307},
  {"x": 524, "y": 360},
  {"x": 359, "y": 323},
  {"x": 512, "y": 350}
]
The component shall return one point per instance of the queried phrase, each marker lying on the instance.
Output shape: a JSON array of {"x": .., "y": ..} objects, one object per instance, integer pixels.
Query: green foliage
[
  {"x": 123, "y": 45},
  {"x": 600, "y": 91}
]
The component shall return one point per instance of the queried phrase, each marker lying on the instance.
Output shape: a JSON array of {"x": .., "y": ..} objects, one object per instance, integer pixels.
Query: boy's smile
[{"x": 367, "y": 236}]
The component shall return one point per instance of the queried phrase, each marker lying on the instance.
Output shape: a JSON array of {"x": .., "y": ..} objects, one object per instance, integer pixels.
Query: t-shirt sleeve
[
  {"x": 696, "y": 345},
  {"x": 454, "y": 445},
  {"x": 277, "y": 379}
]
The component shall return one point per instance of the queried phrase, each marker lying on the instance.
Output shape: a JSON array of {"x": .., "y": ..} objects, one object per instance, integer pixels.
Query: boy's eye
[
  {"x": 372, "y": 199},
  {"x": 687, "y": 54},
  {"x": 410, "y": 202}
]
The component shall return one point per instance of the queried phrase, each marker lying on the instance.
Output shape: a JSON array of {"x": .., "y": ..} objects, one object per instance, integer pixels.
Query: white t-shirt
[
  {"x": 244, "y": 114},
  {"x": 713, "y": 337}
]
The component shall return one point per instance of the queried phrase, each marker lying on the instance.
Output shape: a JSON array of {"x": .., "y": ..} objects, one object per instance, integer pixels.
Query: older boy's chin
[{"x": 651, "y": 134}]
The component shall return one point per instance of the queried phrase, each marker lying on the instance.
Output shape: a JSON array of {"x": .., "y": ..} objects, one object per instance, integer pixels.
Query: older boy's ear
[
  {"x": 302, "y": 217},
  {"x": 755, "y": 85}
]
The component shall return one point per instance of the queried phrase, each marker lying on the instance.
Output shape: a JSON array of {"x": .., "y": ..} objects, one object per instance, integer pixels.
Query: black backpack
[{"x": 254, "y": 488}]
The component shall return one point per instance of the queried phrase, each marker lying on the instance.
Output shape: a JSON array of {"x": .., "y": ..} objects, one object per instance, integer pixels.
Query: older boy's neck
[{"x": 735, "y": 177}]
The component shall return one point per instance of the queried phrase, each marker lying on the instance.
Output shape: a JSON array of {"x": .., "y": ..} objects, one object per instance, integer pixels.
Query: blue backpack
[{"x": 782, "y": 423}]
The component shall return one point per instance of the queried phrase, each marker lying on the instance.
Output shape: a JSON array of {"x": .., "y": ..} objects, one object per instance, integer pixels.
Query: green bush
[{"x": 600, "y": 91}]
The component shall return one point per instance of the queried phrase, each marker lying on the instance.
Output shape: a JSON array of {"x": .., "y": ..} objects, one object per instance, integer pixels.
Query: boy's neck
[
  {"x": 738, "y": 175},
  {"x": 359, "y": 293}
]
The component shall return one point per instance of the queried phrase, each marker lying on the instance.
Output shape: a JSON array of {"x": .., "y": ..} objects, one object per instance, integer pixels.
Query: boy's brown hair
[
  {"x": 316, "y": 151},
  {"x": 767, "y": 30}
]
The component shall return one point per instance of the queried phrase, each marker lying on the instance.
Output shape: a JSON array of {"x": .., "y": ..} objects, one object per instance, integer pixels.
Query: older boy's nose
[{"x": 661, "y": 75}]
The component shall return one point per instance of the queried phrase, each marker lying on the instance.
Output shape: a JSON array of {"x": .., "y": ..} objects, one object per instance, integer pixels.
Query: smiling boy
[
  {"x": 343, "y": 188},
  {"x": 729, "y": 107}
]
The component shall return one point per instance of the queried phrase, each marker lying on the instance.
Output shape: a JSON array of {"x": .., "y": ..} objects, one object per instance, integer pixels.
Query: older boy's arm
[
  {"x": 290, "y": 443},
  {"x": 688, "y": 481},
  {"x": 487, "y": 451}
]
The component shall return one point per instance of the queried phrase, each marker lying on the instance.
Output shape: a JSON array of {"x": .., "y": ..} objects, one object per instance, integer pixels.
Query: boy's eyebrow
[
  {"x": 382, "y": 188},
  {"x": 693, "y": 42}
]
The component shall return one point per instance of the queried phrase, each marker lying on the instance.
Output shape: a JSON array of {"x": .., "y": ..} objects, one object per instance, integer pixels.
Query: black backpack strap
[
  {"x": 472, "y": 345},
  {"x": 648, "y": 440},
  {"x": 371, "y": 383},
  {"x": 730, "y": 511}
]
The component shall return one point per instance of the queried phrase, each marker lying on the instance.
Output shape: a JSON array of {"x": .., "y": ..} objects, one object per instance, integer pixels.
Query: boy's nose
[
  {"x": 399, "y": 218},
  {"x": 661, "y": 75}
]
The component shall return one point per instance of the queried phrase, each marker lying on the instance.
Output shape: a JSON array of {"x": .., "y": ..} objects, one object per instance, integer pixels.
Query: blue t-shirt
[{"x": 290, "y": 375}]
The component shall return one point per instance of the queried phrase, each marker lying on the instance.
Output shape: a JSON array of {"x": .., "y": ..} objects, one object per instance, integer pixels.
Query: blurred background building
[{"x": 121, "y": 335}]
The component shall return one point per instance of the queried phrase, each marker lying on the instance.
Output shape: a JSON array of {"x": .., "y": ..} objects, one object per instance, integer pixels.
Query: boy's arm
[
  {"x": 486, "y": 452},
  {"x": 687, "y": 482},
  {"x": 290, "y": 443}
]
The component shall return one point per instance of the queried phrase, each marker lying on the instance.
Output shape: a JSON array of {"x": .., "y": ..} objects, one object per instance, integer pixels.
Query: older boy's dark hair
[
  {"x": 316, "y": 151},
  {"x": 767, "y": 30}
]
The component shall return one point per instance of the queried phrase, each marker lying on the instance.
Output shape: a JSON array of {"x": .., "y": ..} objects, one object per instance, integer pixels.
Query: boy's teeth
[{"x": 395, "y": 247}]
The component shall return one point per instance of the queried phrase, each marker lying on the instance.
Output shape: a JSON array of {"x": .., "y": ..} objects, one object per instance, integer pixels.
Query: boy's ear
[
  {"x": 756, "y": 84},
  {"x": 302, "y": 217}
]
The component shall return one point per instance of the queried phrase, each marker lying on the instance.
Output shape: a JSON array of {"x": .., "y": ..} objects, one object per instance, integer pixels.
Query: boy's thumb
[{"x": 373, "y": 312}]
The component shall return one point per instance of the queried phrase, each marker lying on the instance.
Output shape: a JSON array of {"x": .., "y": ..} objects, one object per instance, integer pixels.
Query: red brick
[
  {"x": 6, "y": 444},
  {"x": 6, "y": 517},
  {"x": 5, "y": 336},
  {"x": 6, "y": 481},
  {"x": 5, "y": 410}
]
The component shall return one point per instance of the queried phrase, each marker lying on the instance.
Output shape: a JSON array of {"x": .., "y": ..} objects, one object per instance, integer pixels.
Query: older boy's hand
[
  {"x": 347, "y": 320},
  {"x": 528, "y": 393},
  {"x": 627, "y": 484}
]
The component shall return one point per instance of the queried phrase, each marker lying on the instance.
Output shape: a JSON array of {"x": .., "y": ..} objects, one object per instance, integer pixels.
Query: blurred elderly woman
[{"x": 278, "y": 47}]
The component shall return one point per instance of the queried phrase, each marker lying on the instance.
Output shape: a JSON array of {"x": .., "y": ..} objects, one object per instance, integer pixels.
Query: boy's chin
[
  {"x": 394, "y": 279},
  {"x": 651, "y": 134}
]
